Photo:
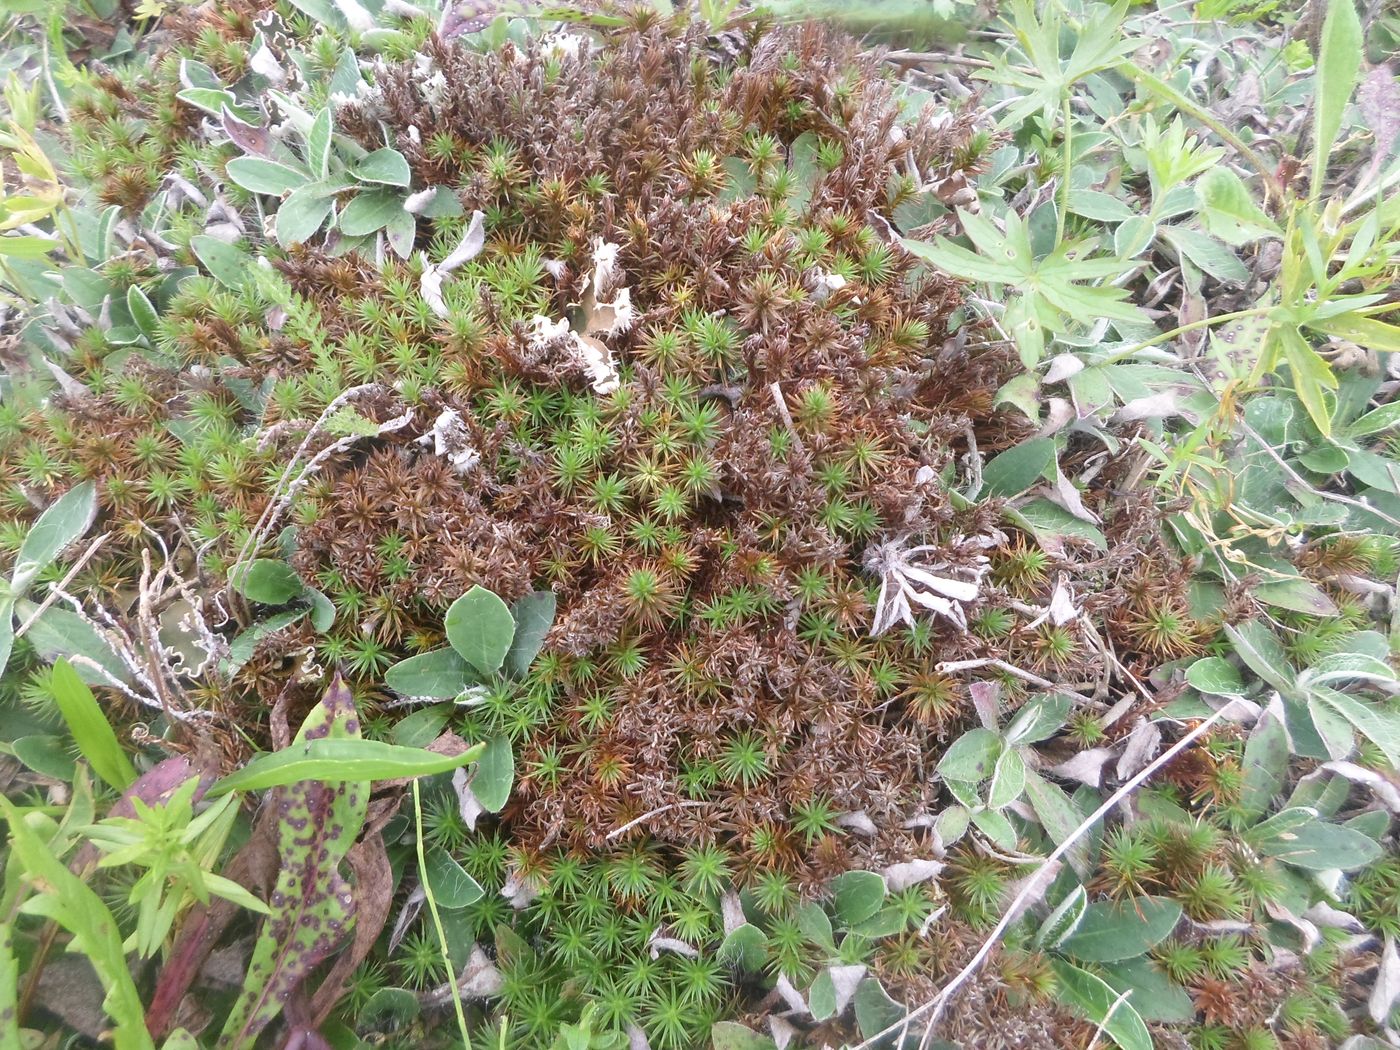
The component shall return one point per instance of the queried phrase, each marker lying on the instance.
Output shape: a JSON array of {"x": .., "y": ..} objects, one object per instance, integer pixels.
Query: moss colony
[{"x": 633, "y": 324}]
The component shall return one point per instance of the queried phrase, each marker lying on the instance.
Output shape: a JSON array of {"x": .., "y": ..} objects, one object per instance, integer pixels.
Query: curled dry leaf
[
  {"x": 658, "y": 944},
  {"x": 1384, "y": 788},
  {"x": 1085, "y": 767},
  {"x": 910, "y": 873},
  {"x": 782, "y": 1030},
  {"x": 732, "y": 911},
  {"x": 1386, "y": 992},
  {"x": 479, "y": 979},
  {"x": 1062, "y": 366},
  {"x": 1143, "y": 744},
  {"x": 790, "y": 995},
  {"x": 430, "y": 283},
  {"x": 859, "y": 822},
  {"x": 909, "y": 579},
  {"x": 845, "y": 980}
]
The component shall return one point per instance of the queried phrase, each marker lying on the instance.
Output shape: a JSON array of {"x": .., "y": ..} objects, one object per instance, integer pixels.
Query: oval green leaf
[
  {"x": 480, "y": 628},
  {"x": 438, "y": 675},
  {"x": 1018, "y": 468},
  {"x": 1111, "y": 931},
  {"x": 1215, "y": 675}
]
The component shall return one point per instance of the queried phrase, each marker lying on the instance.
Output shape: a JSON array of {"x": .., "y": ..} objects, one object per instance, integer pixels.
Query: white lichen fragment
[
  {"x": 909, "y": 580},
  {"x": 450, "y": 440}
]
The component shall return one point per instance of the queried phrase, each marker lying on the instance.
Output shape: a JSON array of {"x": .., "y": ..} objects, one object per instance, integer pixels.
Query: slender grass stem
[{"x": 431, "y": 901}]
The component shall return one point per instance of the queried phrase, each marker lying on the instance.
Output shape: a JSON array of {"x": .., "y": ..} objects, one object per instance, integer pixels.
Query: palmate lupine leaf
[{"x": 312, "y": 903}]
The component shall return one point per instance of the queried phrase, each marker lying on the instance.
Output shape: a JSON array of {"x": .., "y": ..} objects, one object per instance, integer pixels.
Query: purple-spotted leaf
[{"x": 313, "y": 906}]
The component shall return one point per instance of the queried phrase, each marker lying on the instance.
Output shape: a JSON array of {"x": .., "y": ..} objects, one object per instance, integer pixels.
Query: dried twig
[
  {"x": 684, "y": 804},
  {"x": 52, "y": 596}
]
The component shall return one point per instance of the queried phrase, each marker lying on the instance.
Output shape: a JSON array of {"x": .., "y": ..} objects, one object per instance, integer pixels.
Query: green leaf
[
  {"x": 323, "y": 11},
  {"x": 875, "y": 1010},
  {"x": 1261, "y": 652},
  {"x": 318, "y": 145},
  {"x": 1319, "y": 846},
  {"x": 495, "y": 771},
  {"x": 815, "y": 926},
  {"x": 481, "y": 629},
  {"x": 886, "y": 922},
  {"x": 1207, "y": 253},
  {"x": 400, "y": 232},
  {"x": 1266, "y": 756},
  {"x": 1215, "y": 675},
  {"x": 198, "y": 74},
  {"x": 1378, "y": 725},
  {"x": 1102, "y": 1006},
  {"x": 72, "y": 904},
  {"x": 91, "y": 731},
  {"x": 1155, "y": 996},
  {"x": 9, "y": 990},
  {"x": 1018, "y": 468},
  {"x": 47, "y": 755},
  {"x": 1008, "y": 780},
  {"x": 225, "y": 263},
  {"x": 267, "y": 581},
  {"x": 385, "y": 165},
  {"x": 142, "y": 311},
  {"x": 369, "y": 212},
  {"x": 211, "y": 100},
  {"x": 1228, "y": 210},
  {"x": 241, "y": 649},
  {"x": 1039, "y": 718},
  {"x": 1296, "y": 595},
  {"x": 421, "y": 727},
  {"x": 857, "y": 895},
  {"x": 1374, "y": 422},
  {"x": 745, "y": 948},
  {"x": 1116, "y": 930},
  {"x": 302, "y": 214},
  {"x": 821, "y": 997},
  {"x": 1365, "y": 331},
  {"x": 388, "y": 1008},
  {"x": 1095, "y": 204},
  {"x": 7, "y": 633},
  {"x": 1050, "y": 521},
  {"x": 451, "y": 884},
  {"x": 1063, "y": 920},
  {"x": 26, "y": 247},
  {"x": 260, "y": 175},
  {"x": 1133, "y": 236},
  {"x": 739, "y": 182},
  {"x": 971, "y": 757},
  {"x": 1058, "y": 817},
  {"x": 339, "y": 761},
  {"x": 1339, "y": 54},
  {"x": 803, "y": 164},
  {"x": 533, "y": 616},
  {"x": 62, "y": 522},
  {"x": 730, "y": 1035},
  {"x": 62, "y": 633},
  {"x": 1312, "y": 377},
  {"x": 438, "y": 675},
  {"x": 959, "y": 262},
  {"x": 996, "y": 827}
]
